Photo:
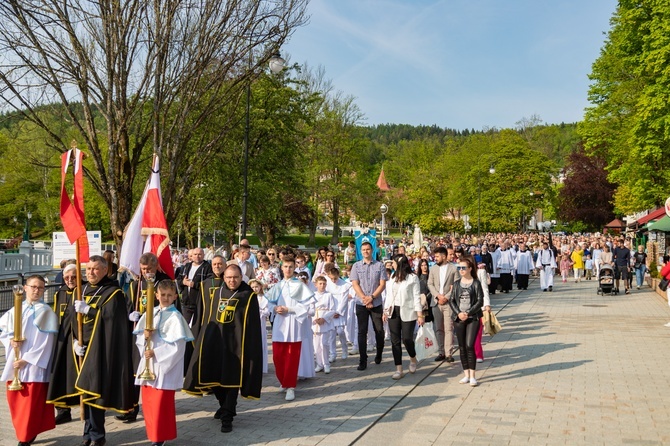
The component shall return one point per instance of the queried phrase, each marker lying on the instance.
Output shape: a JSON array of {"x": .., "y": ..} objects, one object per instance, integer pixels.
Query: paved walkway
[{"x": 569, "y": 367}]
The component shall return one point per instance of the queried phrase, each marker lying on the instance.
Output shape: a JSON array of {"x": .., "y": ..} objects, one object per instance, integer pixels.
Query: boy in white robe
[
  {"x": 340, "y": 290},
  {"x": 166, "y": 360},
  {"x": 291, "y": 301},
  {"x": 324, "y": 310},
  {"x": 30, "y": 413}
]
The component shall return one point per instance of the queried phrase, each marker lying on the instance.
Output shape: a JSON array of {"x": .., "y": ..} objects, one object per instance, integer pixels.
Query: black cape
[
  {"x": 106, "y": 376},
  {"x": 228, "y": 350},
  {"x": 63, "y": 369}
]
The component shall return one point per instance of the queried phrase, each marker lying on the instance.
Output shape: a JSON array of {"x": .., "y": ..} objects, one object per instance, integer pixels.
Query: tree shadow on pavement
[{"x": 539, "y": 369}]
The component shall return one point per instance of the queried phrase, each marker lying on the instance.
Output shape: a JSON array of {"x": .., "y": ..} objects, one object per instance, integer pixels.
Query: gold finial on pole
[
  {"x": 73, "y": 144},
  {"x": 147, "y": 374},
  {"x": 18, "y": 335}
]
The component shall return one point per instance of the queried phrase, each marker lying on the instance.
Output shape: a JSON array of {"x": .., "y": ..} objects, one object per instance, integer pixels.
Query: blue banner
[{"x": 366, "y": 235}]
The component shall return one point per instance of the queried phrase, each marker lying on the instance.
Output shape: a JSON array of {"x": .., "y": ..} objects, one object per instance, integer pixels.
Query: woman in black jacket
[
  {"x": 422, "y": 273},
  {"x": 466, "y": 302}
]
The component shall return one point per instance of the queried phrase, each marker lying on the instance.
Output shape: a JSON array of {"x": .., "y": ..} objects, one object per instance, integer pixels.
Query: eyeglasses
[
  {"x": 271, "y": 254},
  {"x": 461, "y": 268}
]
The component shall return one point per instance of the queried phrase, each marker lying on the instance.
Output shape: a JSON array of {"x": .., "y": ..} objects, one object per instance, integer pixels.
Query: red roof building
[{"x": 381, "y": 182}]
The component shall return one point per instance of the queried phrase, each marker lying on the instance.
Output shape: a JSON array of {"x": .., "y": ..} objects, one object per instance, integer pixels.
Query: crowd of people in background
[{"x": 214, "y": 318}]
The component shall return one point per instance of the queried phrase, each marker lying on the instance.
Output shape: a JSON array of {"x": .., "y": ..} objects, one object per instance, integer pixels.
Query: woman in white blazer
[{"x": 402, "y": 309}]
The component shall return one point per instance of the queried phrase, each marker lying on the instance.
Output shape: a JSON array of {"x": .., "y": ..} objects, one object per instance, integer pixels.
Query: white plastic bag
[{"x": 425, "y": 342}]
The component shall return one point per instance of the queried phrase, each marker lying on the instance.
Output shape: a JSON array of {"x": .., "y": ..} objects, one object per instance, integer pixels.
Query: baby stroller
[{"x": 606, "y": 280}]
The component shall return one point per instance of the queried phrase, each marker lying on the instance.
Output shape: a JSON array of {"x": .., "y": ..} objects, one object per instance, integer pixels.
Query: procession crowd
[{"x": 207, "y": 329}]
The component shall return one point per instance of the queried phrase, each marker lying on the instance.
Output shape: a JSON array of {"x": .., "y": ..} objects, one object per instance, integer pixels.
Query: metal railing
[{"x": 7, "y": 296}]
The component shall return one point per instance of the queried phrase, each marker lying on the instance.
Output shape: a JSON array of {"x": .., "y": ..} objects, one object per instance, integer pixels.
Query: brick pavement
[{"x": 562, "y": 371}]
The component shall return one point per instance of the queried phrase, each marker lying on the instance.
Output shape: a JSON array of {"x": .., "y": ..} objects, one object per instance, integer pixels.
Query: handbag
[
  {"x": 425, "y": 342},
  {"x": 491, "y": 324},
  {"x": 663, "y": 284}
]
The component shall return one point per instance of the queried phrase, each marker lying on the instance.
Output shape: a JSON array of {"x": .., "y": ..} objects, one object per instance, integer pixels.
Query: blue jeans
[{"x": 639, "y": 274}]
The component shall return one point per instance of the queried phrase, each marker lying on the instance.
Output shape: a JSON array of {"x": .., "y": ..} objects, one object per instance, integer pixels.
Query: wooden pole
[{"x": 80, "y": 323}]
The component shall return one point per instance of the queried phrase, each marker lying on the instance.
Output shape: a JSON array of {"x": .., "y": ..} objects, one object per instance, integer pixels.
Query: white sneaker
[
  {"x": 667, "y": 325},
  {"x": 318, "y": 369},
  {"x": 371, "y": 348},
  {"x": 332, "y": 359},
  {"x": 344, "y": 355},
  {"x": 473, "y": 382},
  {"x": 353, "y": 351},
  {"x": 326, "y": 369},
  {"x": 464, "y": 380},
  {"x": 480, "y": 360},
  {"x": 290, "y": 394},
  {"x": 282, "y": 389}
]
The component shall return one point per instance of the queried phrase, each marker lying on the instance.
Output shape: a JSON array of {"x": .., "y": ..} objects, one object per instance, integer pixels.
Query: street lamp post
[
  {"x": 276, "y": 65},
  {"x": 26, "y": 231},
  {"x": 479, "y": 202},
  {"x": 384, "y": 209}
]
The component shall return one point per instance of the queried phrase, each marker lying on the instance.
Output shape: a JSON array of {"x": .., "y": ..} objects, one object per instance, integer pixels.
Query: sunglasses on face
[{"x": 461, "y": 268}]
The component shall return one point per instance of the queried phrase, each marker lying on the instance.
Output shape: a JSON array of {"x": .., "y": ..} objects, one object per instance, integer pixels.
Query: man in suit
[
  {"x": 440, "y": 280},
  {"x": 193, "y": 274},
  {"x": 242, "y": 260}
]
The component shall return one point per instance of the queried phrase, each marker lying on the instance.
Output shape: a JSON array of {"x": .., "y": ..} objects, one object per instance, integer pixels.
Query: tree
[
  {"x": 630, "y": 94},
  {"x": 137, "y": 77},
  {"x": 587, "y": 194}
]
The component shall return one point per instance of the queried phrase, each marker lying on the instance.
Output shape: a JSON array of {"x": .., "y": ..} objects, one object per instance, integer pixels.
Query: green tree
[
  {"x": 137, "y": 77},
  {"x": 630, "y": 94}
]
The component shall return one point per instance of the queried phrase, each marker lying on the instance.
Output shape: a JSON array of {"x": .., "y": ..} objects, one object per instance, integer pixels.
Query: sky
[{"x": 458, "y": 64}]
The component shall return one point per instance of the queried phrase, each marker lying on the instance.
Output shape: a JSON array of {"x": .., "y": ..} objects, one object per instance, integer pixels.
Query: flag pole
[{"x": 80, "y": 323}]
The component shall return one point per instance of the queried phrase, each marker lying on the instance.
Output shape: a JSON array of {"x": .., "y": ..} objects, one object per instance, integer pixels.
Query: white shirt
[
  {"x": 168, "y": 343},
  {"x": 39, "y": 325},
  {"x": 299, "y": 299}
]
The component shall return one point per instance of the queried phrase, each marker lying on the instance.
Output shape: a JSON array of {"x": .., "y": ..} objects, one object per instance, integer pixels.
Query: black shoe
[
  {"x": 27, "y": 443},
  {"x": 362, "y": 366},
  {"x": 218, "y": 413},
  {"x": 85, "y": 443},
  {"x": 378, "y": 358},
  {"x": 544, "y": 290},
  {"x": 63, "y": 417},
  {"x": 129, "y": 417},
  {"x": 100, "y": 442},
  {"x": 158, "y": 443},
  {"x": 551, "y": 288},
  {"x": 449, "y": 358},
  {"x": 226, "y": 427},
  {"x": 440, "y": 358}
]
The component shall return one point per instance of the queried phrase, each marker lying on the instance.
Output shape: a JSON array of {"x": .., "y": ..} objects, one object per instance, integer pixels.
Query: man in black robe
[
  {"x": 228, "y": 356},
  {"x": 106, "y": 376},
  {"x": 137, "y": 302},
  {"x": 207, "y": 290},
  {"x": 63, "y": 370}
]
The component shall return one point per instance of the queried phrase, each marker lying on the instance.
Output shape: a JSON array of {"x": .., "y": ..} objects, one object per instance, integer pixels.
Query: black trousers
[
  {"x": 228, "y": 402},
  {"x": 493, "y": 286},
  {"x": 363, "y": 316},
  {"x": 466, "y": 333},
  {"x": 94, "y": 423},
  {"x": 401, "y": 330},
  {"x": 522, "y": 281},
  {"x": 506, "y": 281}
]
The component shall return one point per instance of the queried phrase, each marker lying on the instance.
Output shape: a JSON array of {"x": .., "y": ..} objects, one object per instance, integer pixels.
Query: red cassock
[
  {"x": 31, "y": 415},
  {"x": 158, "y": 409}
]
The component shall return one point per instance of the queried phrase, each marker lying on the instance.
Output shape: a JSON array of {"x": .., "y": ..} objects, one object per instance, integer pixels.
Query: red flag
[
  {"x": 148, "y": 221},
  {"x": 72, "y": 214}
]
